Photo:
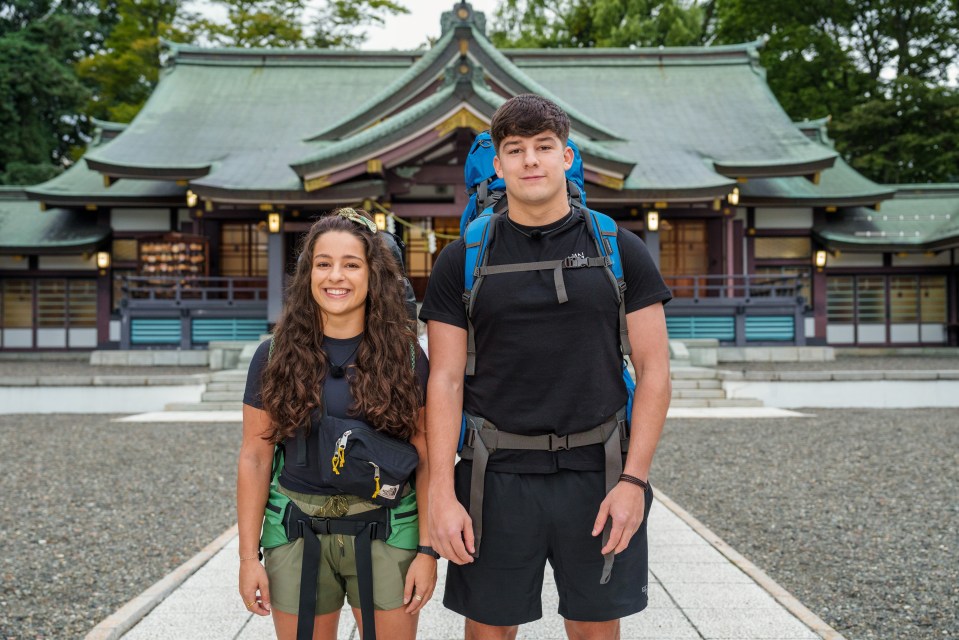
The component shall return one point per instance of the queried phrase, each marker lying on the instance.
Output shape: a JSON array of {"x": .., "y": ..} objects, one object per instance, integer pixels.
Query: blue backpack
[{"x": 488, "y": 202}]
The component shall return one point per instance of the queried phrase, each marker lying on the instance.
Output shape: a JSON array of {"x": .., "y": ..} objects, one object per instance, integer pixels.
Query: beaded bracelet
[{"x": 634, "y": 480}]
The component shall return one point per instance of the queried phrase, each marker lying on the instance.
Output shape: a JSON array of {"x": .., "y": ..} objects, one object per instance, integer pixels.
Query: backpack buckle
[
  {"x": 558, "y": 443},
  {"x": 575, "y": 262}
]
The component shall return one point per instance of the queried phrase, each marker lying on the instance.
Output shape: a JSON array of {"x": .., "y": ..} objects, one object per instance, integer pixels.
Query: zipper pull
[
  {"x": 376, "y": 479},
  {"x": 339, "y": 456}
]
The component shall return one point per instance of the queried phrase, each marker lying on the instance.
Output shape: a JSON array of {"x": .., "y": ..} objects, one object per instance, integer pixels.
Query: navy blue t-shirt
[{"x": 338, "y": 400}]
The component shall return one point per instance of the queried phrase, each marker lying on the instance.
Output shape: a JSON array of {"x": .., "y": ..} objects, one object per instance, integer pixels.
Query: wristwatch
[{"x": 430, "y": 551}]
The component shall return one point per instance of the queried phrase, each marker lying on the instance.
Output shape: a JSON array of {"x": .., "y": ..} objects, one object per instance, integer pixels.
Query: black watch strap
[{"x": 430, "y": 551}]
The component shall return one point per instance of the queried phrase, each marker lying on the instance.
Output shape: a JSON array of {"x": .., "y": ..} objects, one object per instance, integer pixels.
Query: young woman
[{"x": 343, "y": 348}]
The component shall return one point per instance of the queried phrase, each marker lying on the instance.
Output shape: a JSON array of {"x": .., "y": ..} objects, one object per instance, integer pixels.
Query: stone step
[
  {"x": 222, "y": 396},
  {"x": 230, "y": 375},
  {"x": 693, "y": 373},
  {"x": 697, "y": 384},
  {"x": 203, "y": 406},
  {"x": 689, "y": 403},
  {"x": 698, "y": 393},
  {"x": 226, "y": 386},
  {"x": 735, "y": 402}
]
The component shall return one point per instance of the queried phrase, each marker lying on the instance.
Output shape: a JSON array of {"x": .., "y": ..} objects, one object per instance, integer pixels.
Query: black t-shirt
[
  {"x": 542, "y": 366},
  {"x": 338, "y": 400}
]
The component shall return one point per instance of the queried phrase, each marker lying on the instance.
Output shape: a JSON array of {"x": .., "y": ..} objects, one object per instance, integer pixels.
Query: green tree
[
  {"x": 862, "y": 62},
  {"x": 257, "y": 23},
  {"x": 284, "y": 23},
  {"x": 338, "y": 21},
  {"x": 597, "y": 23},
  {"x": 910, "y": 134},
  {"x": 124, "y": 71},
  {"x": 41, "y": 98}
]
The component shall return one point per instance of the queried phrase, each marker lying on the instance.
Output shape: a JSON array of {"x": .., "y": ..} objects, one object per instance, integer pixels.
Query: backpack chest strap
[{"x": 557, "y": 266}]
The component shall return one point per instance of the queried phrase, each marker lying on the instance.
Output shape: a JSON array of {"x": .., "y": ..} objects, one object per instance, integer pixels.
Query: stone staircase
[
  {"x": 700, "y": 387},
  {"x": 693, "y": 387},
  {"x": 225, "y": 390}
]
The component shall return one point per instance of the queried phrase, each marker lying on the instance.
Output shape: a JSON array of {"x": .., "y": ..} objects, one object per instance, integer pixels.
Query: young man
[{"x": 543, "y": 367}]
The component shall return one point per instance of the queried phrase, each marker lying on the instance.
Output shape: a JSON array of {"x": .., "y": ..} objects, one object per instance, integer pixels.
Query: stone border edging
[
  {"x": 783, "y": 597},
  {"x": 837, "y": 375},
  {"x": 127, "y": 616}
]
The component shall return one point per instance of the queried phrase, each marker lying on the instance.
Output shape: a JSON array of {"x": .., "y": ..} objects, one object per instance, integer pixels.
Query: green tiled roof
[
  {"x": 673, "y": 106},
  {"x": 26, "y": 229},
  {"x": 840, "y": 185},
  {"x": 679, "y": 123},
  {"x": 79, "y": 185},
  {"x": 918, "y": 218}
]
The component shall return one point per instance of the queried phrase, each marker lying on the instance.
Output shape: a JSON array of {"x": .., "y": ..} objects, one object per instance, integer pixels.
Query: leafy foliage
[
  {"x": 123, "y": 73},
  {"x": 873, "y": 65},
  {"x": 909, "y": 135},
  {"x": 40, "y": 96},
  {"x": 597, "y": 23},
  {"x": 338, "y": 22}
]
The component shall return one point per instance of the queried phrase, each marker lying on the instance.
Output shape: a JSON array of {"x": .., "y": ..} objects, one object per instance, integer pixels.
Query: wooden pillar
[{"x": 276, "y": 258}]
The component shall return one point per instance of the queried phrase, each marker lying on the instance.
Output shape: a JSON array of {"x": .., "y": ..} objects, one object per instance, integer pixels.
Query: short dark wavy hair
[{"x": 526, "y": 115}]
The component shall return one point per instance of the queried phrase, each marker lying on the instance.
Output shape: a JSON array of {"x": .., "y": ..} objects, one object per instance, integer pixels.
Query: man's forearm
[
  {"x": 650, "y": 404},
  {"x": 444, "y": 411}
]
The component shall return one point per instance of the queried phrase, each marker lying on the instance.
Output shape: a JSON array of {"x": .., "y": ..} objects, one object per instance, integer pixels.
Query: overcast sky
[
  {"x": 409, "y": 31},
  {"x": 423, "y": 21}
]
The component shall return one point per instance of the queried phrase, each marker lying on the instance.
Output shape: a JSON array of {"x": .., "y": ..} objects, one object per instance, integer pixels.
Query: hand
[
  {"x": 626, "y": 505},
  {"x": 420, "y": 582},
  {"x": 451, "y": 530},
  {"x": 254, "y": 587}
]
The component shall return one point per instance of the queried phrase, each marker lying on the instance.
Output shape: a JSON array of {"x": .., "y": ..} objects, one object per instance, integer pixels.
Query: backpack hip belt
[
  {"x": 483, "y": 438},
  {"x": 365, "y": 528}
]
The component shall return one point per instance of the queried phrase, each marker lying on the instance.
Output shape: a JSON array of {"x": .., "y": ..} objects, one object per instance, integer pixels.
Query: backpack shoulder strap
[
  {"x": 477, "y": 239},
  {"x": 604, "y": 231}
]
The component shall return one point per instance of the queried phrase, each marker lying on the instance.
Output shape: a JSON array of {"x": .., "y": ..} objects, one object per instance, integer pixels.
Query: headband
[{"x": 353, "y": 216}]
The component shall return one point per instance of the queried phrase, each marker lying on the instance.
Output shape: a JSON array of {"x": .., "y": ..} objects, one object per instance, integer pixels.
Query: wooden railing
[
  {"x": 189, "y": 313},
  {"x": 737, "y": 309}
]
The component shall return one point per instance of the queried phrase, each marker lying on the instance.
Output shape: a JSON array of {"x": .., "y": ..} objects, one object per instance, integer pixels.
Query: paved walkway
[{"x": 699, "y": 588}]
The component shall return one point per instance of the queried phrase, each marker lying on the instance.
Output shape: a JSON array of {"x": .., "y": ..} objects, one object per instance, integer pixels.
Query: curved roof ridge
[
  {"x": 363, "y": 138},
  {"x": 366, "y": 112},
  {"x": 177, "y": 49},
  {"x": 748, "y": 49},
  {"x": 580, "y": 121}
]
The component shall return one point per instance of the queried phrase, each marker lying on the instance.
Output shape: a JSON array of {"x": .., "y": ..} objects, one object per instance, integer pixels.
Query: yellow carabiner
[
  {"x": 338, "y": 460},
  {"x": 377, "y": 491}
]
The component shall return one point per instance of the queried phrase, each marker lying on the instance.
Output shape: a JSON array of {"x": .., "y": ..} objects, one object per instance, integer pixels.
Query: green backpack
[{"x": 404, "y": 518}]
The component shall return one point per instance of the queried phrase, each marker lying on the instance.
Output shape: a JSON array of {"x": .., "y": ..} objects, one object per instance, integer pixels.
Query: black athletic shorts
[{"x": 529, "y": 519}]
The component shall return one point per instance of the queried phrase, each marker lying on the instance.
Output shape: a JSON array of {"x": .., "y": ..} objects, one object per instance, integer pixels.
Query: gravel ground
[
  {"x": 93, "y": 512},
  {"x": 852, "y": 511},
  {"x": 873, "y": 363}
]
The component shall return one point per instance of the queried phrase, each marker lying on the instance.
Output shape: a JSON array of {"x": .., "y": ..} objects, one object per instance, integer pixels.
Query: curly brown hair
[{"x": 384, "y": 386}]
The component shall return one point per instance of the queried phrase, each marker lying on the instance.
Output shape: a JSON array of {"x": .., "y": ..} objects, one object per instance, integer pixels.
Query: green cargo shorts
[{"x": 337, "y": 576}]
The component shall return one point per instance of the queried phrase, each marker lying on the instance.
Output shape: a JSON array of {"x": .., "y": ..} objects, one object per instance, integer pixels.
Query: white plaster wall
[
  {"x": 878, "y": 394},
  {"x": 12, "y": 262},
  {"x": 140, "y": 219},
  {"x": 783, "y": 218},
  {"x": 854, "y": 260},
  {"x": 92, "y": 399},
  {"x": 73, "y": 263},
  {"x": 941, "y": 259}
]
